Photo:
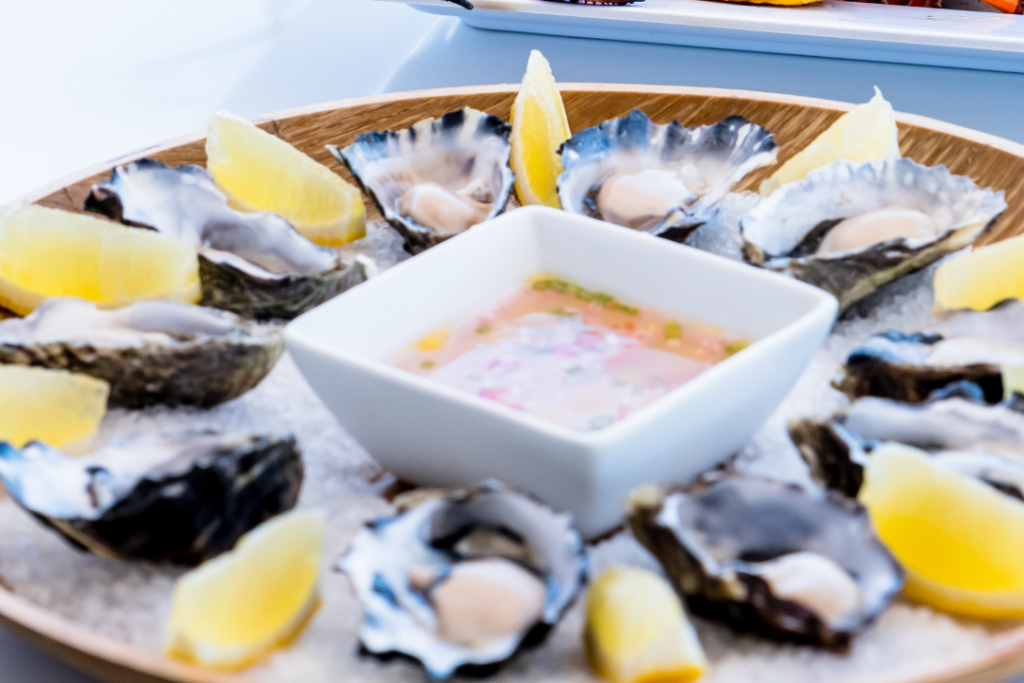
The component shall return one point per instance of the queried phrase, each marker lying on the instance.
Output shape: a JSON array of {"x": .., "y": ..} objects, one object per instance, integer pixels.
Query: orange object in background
[{"x": 1007, "y": 6}]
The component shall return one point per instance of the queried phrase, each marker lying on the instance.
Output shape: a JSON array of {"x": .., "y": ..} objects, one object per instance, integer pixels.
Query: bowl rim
[{"x": 302, "y": 332}]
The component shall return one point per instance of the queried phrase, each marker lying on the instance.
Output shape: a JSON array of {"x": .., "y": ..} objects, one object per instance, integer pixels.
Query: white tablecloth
[{"x": 81, "y": 82}]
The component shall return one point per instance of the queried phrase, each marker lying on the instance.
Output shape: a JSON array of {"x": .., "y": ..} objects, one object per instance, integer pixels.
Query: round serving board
[{"x": 795, "y": 121}]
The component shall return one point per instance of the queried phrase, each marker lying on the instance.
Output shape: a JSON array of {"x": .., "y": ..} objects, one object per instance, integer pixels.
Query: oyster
[
  {"x": 981, "y": 440},
  {"x": 666, "y": 180},
  {"x": 769, "y": 557},
  {"x": 436, "y": 179},
  {"x": 253, "y": 264},
  {"x": 151, "y": 352},
  {"x": 179, "y": 498},
  {"x": 967, "y": 345},
  {"x": 461, "y": 581},
  {"x": 849, "y": 228}
]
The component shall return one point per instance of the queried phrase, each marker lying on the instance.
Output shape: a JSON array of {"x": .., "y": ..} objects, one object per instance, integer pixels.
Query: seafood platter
[
  {"x": 188, "y": 496},
  {"x": 961, "y": 34}
]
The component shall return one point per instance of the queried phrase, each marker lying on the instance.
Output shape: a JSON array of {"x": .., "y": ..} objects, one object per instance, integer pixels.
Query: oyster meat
[
  {"x": 253, "y": 264},
  {"x": 769, "y": 557},
  {"x": 436, "y": 179},
  {"x": 849, "y": 228},
  {"x": 151, "y": 352},
  {"x": 461, "y": 581},
  {"x": 963, "y": 345},
  {"x": 663, "y": 179},
  {"x": 980, "y": 440},
  {"x": 177, "y": 498}
]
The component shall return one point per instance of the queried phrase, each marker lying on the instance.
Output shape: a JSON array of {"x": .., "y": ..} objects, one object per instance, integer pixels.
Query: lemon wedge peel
[
  {"x": 982, "y": 278},
  {"x": 258, "y": 171},
  {"x": 929, "y": 517},
  {"x": 57, "y": 407},
  {"x": 48, "y": 252},
  {"x": 637, "y": 631},
  {"x": 539, "y": 127},
  {"x": 235, "y": 610},
  {"x": 867, "y": 132}
]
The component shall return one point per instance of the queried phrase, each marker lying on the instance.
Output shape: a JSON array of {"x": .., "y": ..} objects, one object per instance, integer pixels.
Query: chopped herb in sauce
[
  {"x": 735, "y": 346},
  {"x": 673, "y": 330}
]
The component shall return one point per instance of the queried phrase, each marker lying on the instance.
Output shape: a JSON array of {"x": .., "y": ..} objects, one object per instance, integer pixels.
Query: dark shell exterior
[
  {"x": 634, "y": 142},
  {"x": 253, "y": 264},
  {"x": 183, "y": 517},
  {"x": 885, "y": 365},
  {"x": 202, "y": 371},
  {"x": 231, "y": 289},
  {"x": 450, "y": 142},
  {"x": 737, "y": 522}
]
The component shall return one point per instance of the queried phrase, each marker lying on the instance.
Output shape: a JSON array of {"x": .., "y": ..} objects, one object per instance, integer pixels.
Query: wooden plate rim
[{"x": 113, "y": 660}]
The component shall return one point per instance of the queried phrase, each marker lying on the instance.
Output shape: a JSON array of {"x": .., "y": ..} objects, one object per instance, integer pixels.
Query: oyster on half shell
[
  {"x": 151, "y": 352},
  {"x": 436, "y": 179},
  {"x": 850, "y": 228},
  {"x": 769, "y": 557},
  {"x": 983, "y": 441},
  {"x": 663, "y": 179},
  {"x": 253, "y": 264},
  {"x": 461, "y": 581},
  {"x": 177, "y": 498},
  {"x": 962, "y": 345}
]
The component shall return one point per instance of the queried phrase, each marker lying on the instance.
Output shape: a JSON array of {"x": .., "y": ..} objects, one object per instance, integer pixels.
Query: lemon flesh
[
  {"x": 57, "y": 407},
  {"x": 982, "y": 278},
  {"x": 1013, "y": 380},
  {"x": 46, "y": 253},
  {"x": 260, "y": 172},
  {"x": 539, "y": 127},
  {"x": 865, "y": 133},
  {"x": 637, "y": 631},
  {"x": 957, "y": 537},
  {"x": 235, "y": 610}
]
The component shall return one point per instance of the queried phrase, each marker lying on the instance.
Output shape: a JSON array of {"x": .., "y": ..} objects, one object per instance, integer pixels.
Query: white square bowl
[{"x": 432, "y": 434}]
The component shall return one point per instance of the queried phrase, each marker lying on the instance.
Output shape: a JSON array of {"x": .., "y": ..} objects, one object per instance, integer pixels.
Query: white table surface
[{"x": 81, "y": 82}]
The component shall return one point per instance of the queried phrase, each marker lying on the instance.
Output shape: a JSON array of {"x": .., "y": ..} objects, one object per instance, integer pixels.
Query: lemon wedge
[
  {"x": 1013, "y": 380},
  {"x": 865, "y": 133},
  {"x": 235, "y": 610},
  {"x": 539, "y": 127},
  {"x": 261, "y": 172},
  {"x": 637, "y": 631},
  {"x": 47, "y": 252},
  {"x": 982, "y": 278},
  {"x": 957, "y": 537},
  {"x": 57, "y": 407}
]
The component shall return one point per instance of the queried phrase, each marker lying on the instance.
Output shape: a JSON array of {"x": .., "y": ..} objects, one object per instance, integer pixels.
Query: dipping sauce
[{"x": 576, "y": 357}]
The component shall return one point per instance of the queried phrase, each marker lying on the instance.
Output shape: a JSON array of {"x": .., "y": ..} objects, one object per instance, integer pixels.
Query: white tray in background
[{"x": 847, "y": 30}]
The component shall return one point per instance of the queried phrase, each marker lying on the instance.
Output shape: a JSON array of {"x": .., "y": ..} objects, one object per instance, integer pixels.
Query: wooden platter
[{"x": 795, "y": 121}]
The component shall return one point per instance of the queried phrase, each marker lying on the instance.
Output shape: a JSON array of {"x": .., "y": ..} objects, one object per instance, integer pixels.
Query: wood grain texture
[{"x": 795, "y": 121}]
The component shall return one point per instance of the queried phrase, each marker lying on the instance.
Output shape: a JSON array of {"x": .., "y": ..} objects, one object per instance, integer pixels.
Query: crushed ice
[{"x": 129, "y": 601}]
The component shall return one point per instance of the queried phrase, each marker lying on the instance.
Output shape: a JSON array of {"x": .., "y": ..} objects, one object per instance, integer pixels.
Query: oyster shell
[
  {"x": 253, "y": 264},
  {"x": 981, "y": 440},
  {"x": 178, "y": 498},
  {"x": 849, "y": 228},
  {"x": 436, "y": 179},
  {"x": 663, "y": 179},
  {"x": 965, "y": 345},
  {"x": 461, "y": 581},
  {"x": 152, "y": 352},
  {"x": 769, "y": 557}
]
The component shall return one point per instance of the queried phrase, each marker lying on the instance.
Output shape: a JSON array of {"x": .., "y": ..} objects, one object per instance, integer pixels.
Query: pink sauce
[{"x": 575, "y": 357}]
